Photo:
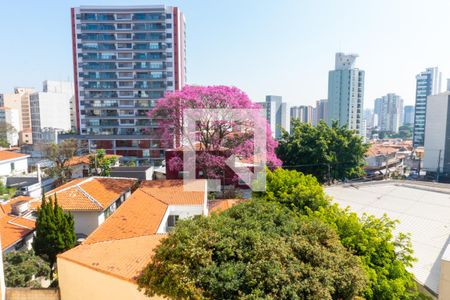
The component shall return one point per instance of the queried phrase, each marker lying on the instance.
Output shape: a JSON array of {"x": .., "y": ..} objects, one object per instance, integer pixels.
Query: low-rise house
[
  {"x": 107, "y": 264},
  {"x": 79, "y": 165},
  {"x": 141, "y": 173},
  {"x": 17, "y": 224},
  {"x": 13, "y": 163},
  {"x": 91, "y": 200}
]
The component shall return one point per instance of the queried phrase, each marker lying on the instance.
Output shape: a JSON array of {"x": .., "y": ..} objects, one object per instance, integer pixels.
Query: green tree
[
  {"x": 60, "y": 154},
  {"x": 293, "y": 190},
  {"x": 383, "y": 256},
  {"x": 55, "y": 232},
  {"x": 22, "y": 268},
  {"x": 100, "y": 163},
  {"x": 255, "y": 250},
  {"x": 5, "y": 192},
  {"x": 326, "y": 152}
]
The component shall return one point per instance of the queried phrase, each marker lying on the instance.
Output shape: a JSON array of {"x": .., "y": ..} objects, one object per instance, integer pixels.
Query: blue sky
[{"x": 263, "y": 47}]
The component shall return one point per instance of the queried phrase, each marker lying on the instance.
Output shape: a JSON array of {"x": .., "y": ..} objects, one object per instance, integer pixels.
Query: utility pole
[
  {"x": 329, "y": 174},
  {"x": 438, "y": 165}
]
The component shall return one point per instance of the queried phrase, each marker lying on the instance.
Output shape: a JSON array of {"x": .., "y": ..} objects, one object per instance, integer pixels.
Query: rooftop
[
  {"x": 122, "y": 246},
  {"x": 13, "y": 228},
  {"x": 90, "y": 194},
  {"x": 9, "y": 155},
  {"x": 423, "y": 210},
  {"x": 78, "y": 160}
]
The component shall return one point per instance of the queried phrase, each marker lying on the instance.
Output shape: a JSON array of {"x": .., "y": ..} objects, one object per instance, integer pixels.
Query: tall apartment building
[
  {"x": 9, "y": 121},
  {"x": 125, "y": 59},
  {"x": 277, "y": 115},
  {"x": 408, "y": 114},
  {"x": 20, "y": 100},
  {"x": 50, "y": 111},
  {"x": 427, "y": 83},
  {"x": 321, "y": 110},
  {"x": 369, "y": 117},
  {"x": 390, "y": 112},
  {"x": 437, "y": 134},
  {"x": 303, "y": 113},
  {"x": 346, "y": 93}
]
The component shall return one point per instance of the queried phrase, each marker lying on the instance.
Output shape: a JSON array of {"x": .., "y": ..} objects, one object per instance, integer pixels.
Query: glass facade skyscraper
[
  {"x": 125, "y": 59},
  {"x": 427, "y": 83}
]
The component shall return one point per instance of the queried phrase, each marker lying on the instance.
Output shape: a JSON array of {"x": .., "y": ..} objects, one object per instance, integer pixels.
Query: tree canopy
[
  {"x": 55, "y": 231},
  {"x": 60, "y": 154},
  {"x": 255, "y": 250},
  {"x": 100, "y": 163},
  {"x": 328, "y": 153},
  {"x": 384, "y": 256},
  {"x": 219, "y": 132},
  {"x": 22, "y": 268}
]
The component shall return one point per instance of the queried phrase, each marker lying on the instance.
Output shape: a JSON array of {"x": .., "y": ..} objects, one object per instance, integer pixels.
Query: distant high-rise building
[
  {"x": 125, "y": 59},
  {"x": 50, "y": 110},
  {"x": 408, "y": 114},
  {"x": 427, "y": 83},
  {"x": 20, "y": 100},
  {"x": 303, "y": 113},
  {"x": 391, "y": 112},
  {"x": 377, "y": 111},
  {"x": 9, "y": 117},
  {"x": 277, "y": 115},
  {"x": 346, "y": 93},
  {"x": 368, "y": 117},
  {"x": 321, "y": 110}
]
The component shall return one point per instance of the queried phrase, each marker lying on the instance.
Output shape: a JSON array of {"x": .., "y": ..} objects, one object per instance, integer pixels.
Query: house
[
  {"x": 91, "y": 200},
  {"x": 423, "y": 210},
  {"x": 141, "y": 173},
  {"x": 107, "y": 264},
  {"x": 79, "y": 165},
  {"x": 17, "y": 224},
  {"x": 13, "y": 163}
]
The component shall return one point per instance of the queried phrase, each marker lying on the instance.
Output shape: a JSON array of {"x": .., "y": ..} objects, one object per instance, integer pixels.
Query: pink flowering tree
[{"x": 215, "y": 139}]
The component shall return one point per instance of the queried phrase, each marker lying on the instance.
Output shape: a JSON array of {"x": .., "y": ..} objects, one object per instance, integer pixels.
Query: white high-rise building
[
  {"x": 346, "y": 93},
  {"x": 437, "y": 134},
  {"x": 50, "y": 110},
  {"x": 278, "y": 115},
  {"x": 427, "y": 83},
  {"x": 390, "y": 115},
  {"x": 9, "y": 119},
  {"x": 321, "y": 110}
]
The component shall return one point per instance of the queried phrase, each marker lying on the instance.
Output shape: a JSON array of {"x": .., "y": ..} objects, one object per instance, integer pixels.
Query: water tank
[{"x": 20, "y": 207}]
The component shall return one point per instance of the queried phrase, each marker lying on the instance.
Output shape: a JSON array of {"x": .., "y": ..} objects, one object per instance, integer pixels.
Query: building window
[
  {"x": 13, "y": 166},
  {"x": 171, "y": 221}
]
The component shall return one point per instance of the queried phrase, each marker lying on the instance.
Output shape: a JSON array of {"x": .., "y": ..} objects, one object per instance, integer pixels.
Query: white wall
[
  {"x": 435, "y": 131},
  {"x": 20, "y": 166},
  {"x": 183, "y": 211},
  {"x": 86, "y": 222}
]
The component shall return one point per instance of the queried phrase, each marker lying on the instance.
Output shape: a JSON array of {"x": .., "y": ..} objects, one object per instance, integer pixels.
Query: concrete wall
[
  {"x": 435, "y": 131},
  {"x": 77, "y": 282},
  {"x": 444, "y": 282},
  {"x": 32, "y": 294}
]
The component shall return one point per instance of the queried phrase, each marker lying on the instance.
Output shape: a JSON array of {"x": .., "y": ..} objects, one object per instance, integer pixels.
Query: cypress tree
[{"x": 55, "y": 231}]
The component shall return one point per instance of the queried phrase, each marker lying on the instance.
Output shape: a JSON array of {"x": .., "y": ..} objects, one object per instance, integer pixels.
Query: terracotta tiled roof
[
  {"x": 175, "y": 192},
  {"x": 13, "y": 228},
  {"x": 215, "y": 206},
  {"x": 124, "y": 258},
  {"x": 7, "y": 155},
  {"x": 377, "y": 149},
  {"x": 140, "y": 215},
  {"x": 78, "y": 160},
  {"x": 93, "y": 193}
]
